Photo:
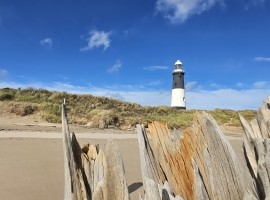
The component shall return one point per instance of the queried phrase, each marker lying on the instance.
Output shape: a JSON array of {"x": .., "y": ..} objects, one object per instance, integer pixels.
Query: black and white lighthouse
[{"x": 178, "y": 88}]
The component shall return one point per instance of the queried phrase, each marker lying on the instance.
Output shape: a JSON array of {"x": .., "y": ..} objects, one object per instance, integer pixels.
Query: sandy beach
[{"x": 32, "y": 168}]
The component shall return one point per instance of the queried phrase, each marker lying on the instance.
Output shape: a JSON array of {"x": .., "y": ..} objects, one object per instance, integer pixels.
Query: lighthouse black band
[
  {"x": 178, "y": 80},
  {"x": 180, "y": 108}
]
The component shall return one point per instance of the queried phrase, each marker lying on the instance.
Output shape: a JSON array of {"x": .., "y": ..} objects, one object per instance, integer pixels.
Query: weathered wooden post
[
  {"x": 257, "y": 148},
  {"x": 196, "y": 164},
  {"x": 91, "y": 173}
]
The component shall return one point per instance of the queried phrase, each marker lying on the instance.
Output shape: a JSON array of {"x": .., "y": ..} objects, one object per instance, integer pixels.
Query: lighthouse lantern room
[{"x": 178, "y": 100}]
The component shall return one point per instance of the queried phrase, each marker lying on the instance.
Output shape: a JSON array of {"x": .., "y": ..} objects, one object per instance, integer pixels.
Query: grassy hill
[{"x": 103, "y": 112}]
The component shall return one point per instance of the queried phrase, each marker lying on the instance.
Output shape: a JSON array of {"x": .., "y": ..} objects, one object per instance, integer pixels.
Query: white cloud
[
  {"x": 217, "y": 86},
  {"x": 197, "y": 98},
  {"x": 178, "y": 11},
  {"x": 46, "y": 42},
  {"x": 262, "y": 59},
  {"x": 3, "y": 74},
  {"x": 117, "y": 65},
  {"x": 227, "y": 98},
  {"x": 155, "y": 67},
  {"x": 261, "y": 84},
  {"x": 97, "y": 39},
  {"x": 143, "y": 97},
  {"x": 240, "y": 85}
]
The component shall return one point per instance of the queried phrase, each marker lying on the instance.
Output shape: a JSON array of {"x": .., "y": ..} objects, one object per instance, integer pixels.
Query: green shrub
[
  {"x": 51, "y": 112},
  {"x": 6, "y": 96}
]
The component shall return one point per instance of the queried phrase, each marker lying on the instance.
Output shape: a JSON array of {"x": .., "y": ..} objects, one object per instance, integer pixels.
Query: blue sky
[{"x": 126, "y": 49}]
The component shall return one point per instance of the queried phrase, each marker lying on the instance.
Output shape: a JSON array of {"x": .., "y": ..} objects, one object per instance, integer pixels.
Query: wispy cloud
[
  {"x": 252, "y": 3},
  {"x": 46, "y": 42},
  {"x": 155, "y": 67},
  {"x": 240, "y": 85},
  {"x": 217, "y": 86},
  {"x": 62, "y": 76},
  {"x": 126, "y": 87},
  {"x": 262, "y": 59},
  {"x": 116, "y": 66},
  {"x": 98, "y": 39},
  {"x": 192, "y": 85},
  {"x": 155, "y": 83},
  {"x": 261, "y": 85},
  {"x": 3, "y": 74},
  {"x": 178, "y": 11}
]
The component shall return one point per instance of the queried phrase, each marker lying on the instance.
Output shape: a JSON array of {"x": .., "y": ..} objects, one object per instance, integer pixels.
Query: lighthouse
[{"x": 178, "y": 87}]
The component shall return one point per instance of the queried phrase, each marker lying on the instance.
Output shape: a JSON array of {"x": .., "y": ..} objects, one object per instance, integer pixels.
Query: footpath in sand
[{"x": 31, "y": 152}]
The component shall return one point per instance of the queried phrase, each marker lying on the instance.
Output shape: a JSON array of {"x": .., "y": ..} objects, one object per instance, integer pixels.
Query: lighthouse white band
[
  {"x": 178, "y": 70},
  {"x": 178, "y": 98}
]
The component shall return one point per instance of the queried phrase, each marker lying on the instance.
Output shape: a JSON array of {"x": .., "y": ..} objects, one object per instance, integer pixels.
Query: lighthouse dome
[
  {"x": 178, "y": 67},
  {"x": 178, "y": 62}
]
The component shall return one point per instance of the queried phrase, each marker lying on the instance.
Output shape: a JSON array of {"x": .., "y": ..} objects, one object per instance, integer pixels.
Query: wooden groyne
[{"x": 198, "y": 163}]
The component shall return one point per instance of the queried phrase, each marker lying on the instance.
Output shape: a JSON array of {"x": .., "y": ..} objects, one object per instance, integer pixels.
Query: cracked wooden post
[
  {"x": 257, "y": 148},
  {"x": 90, "y": 173},
  {"x": 196, "y": 164}
]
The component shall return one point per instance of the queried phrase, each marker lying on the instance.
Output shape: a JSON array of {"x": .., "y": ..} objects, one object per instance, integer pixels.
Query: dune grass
[{"x": 105, "y": 112}]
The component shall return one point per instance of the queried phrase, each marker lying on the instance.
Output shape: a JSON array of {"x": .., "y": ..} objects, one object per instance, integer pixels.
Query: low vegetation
[{"x": 104, "y": 112}]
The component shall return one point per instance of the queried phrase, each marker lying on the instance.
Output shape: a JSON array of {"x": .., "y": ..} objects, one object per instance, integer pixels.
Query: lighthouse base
[
  {"x": 180, "y": 108},
  {"x": 178, "y": 98}
]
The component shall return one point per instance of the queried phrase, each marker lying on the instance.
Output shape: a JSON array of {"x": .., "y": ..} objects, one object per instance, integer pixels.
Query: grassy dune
[{"x": 104, "y": 112}]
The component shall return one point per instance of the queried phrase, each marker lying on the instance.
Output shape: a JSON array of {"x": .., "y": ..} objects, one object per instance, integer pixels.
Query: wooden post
[
  {"x": 91, "y": 173},
  {"x": 257, "y": 148},
  {"x": 196, "y": 164}
]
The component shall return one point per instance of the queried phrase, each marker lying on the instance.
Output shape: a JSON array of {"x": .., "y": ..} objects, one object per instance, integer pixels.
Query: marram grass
[{"x": 105, "y": 112}]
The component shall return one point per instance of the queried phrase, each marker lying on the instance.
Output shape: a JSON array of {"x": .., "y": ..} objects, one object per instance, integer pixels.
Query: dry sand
[
  {"x": 32, "y": 168},
  {"x": 31, "y": 152}
]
